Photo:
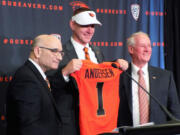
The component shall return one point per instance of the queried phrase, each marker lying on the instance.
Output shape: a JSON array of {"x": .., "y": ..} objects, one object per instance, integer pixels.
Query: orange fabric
[
  {"x": 88, "y": 78},
  {"x": 87, "y": 57}
]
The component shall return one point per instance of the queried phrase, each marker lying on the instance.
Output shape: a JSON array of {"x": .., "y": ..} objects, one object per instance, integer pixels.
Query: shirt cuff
[{"x": 66, "y": 78}]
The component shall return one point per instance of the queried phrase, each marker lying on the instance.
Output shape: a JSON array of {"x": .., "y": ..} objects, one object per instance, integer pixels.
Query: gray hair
[{"x": 131, "y": 39}]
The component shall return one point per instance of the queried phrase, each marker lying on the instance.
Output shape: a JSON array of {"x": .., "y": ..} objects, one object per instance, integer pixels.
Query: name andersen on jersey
[{"x": 98, "y": 73}]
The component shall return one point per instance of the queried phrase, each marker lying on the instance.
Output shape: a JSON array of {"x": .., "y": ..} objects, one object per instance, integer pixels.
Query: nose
[
  {"x": 59, "y": 56},
  {"x": 91, "y": 28},
  {"x": 148, "y": 48}
]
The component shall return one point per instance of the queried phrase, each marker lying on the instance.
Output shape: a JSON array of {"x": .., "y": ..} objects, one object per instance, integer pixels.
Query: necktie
[
  {"x": 143, "y": 100},
  {"x": 48, "y": 83},
  {"x": 87, "y": 57}
]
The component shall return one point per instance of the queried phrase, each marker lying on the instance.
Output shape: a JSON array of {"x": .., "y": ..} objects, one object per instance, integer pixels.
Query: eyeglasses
[{"x": 54, "y": 50}]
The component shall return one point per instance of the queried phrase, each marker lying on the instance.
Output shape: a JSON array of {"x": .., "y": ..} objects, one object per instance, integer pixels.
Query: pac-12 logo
[
  {"x": 135, "y": 10},
  {"x": 76, "y": 4}
]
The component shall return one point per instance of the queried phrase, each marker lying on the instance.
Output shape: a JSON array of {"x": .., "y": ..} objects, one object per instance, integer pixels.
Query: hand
[
  {"x": 72, "y": 66},
  {"x": 123, "y": 64}
]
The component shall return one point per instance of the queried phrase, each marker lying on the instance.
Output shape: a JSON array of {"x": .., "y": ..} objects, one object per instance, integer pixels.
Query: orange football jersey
[{"x": 98, "y": 86}]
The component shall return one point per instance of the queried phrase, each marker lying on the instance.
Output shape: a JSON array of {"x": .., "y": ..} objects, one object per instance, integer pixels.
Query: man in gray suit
[
  {"x": 158, "y": 82},
  {"x": 82, "y": 25}
]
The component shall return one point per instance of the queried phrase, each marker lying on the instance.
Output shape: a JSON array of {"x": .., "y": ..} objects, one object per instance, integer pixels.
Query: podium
[{"x": 161, "y": 129}]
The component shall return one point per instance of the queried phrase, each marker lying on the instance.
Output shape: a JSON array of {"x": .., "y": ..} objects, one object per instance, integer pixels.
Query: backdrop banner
[{"x": 22, "y": 20}]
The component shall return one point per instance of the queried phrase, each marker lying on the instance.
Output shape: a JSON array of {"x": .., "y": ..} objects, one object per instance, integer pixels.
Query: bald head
[
  {"x": 46, "y": 51},
  {"x": 44, "y": 40}
]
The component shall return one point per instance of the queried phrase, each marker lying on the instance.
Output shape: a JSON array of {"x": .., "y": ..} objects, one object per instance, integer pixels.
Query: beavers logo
[
  {"x": 91, "y": 14},
  {"x": 76, "y": 4}
]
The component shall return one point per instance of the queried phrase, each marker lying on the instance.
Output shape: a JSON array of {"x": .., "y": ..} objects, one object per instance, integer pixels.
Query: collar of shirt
[
  {"x": 135, "y": 69},
  {"x": 80, "y": 53},
  {"x": 38, "y": 68},
  {"x": 78, "y": 47}
]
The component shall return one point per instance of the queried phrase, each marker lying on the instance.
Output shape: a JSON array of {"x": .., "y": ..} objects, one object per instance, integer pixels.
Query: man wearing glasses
[{"x": 31, "y": 109}]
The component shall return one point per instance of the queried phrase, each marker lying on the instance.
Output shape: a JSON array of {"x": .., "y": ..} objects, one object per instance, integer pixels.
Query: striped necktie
[
  {"x": 87, "y": 57},
  {"x": 143, "y": 100}
]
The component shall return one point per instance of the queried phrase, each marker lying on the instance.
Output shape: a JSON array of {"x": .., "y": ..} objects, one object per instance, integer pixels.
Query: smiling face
[
  {"x": 44, "y": 56},
  {"x": 141, "y": 51},
  {"x": 82, "y": 34},
  {"x": 48, "y": 59}
]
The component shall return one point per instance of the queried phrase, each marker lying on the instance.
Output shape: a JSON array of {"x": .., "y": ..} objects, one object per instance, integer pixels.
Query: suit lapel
[
  {"x": 37, "y": 74},
  {"x": 41, "y": 79},
  {"x": 152, "y": 83},
  {"x": 128, "y": 87},
  {"x": 97, "y": 53},
  {"x": 70, "y": 50},
  {"x": 71, "y": 53}
]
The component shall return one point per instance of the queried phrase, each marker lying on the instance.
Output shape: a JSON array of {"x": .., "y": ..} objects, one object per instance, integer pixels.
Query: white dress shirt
[
  {"x": 80, "y": 52},
  {"x": 81, "y": 55},
  {"x": 135, "y": 97},
  {"x": 38, "y": 68}
]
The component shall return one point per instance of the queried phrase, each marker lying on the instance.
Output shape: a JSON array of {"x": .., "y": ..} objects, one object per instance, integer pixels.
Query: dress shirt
[
  {"x": 38, "y": 68},
  {"x": 81, "y": 55},
  {"x": 80, "y": 52},
  {"x": 135, "y": 98}
]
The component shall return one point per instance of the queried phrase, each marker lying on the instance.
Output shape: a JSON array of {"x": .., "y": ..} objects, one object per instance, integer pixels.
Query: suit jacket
[
  {"x": 70, "y": 53},
  {"x": 65, "y": 94},
  {"x": 162, "y": 87},
  {"x": 31, "y": 109}
]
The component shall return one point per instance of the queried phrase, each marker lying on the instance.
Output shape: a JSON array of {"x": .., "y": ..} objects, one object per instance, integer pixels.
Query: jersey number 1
[{"x": 99, "y": 87}]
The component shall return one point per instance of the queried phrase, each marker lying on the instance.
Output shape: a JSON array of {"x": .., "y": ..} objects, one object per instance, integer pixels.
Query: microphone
[{"x": 163, "y": 108}]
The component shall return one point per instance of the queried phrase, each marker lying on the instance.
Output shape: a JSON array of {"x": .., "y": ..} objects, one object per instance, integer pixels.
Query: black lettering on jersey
[{"x": 99, "y": 73}]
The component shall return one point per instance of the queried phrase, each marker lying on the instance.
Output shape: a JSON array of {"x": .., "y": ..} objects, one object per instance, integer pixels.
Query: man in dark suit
[
  {"x": 158, "y": 82},
  {"x": 31, "y": 108},
  {"x": 82, "y": 24}
]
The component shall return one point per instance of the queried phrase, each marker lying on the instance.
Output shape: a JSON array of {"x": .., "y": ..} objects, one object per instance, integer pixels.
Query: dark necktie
[
  {"x": 143, "y": 100},
  {"x": 87, "y": 57}
]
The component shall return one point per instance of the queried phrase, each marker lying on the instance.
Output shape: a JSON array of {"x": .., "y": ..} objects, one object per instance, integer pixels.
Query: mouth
[
  {"x": 147, "y": 53},
  {"x": 57, "y": 62},
  {"x": 88, "y": 35}
]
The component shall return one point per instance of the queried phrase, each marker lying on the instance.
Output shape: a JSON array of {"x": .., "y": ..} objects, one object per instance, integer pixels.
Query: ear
[
  {"x": 130, "y": 49},
  {"x": 71, "y": 24},
  {"x": 37, "y": 52}
]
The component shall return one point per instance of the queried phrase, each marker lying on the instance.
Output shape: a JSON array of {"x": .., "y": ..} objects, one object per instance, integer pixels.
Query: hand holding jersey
[
  {"x": 98, "y": 86},
  {"x": 72, "y": 66},
  {"x": 123, "y": 64},
  {"x": 76, "y": 64},
  {"x": 82, "y": 24}
]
